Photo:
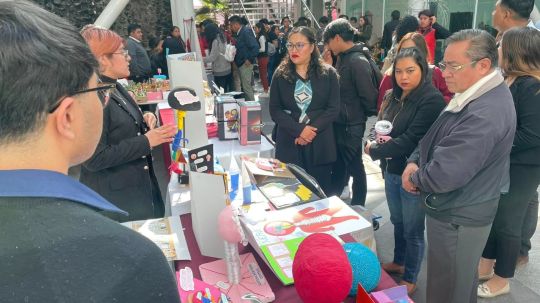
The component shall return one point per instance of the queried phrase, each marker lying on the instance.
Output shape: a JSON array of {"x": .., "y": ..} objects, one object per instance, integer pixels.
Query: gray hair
[
  {"x": 43, "y": 58},
  {"x": 481, "y": 45}
]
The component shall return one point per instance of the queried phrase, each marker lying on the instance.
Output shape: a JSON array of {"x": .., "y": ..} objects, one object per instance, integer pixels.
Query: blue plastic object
[{"x": 365, "y": 266}]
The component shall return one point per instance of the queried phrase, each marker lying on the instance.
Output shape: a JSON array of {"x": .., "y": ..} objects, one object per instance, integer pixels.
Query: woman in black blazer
[
  {"x": 121, "y": 168},
  {"x": 304, "y": 102}
]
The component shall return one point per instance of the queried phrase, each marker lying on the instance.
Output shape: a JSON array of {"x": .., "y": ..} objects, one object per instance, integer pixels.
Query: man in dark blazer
[
  {"x": 247, "y": 50},
  {"x": 55, "y": 244}
]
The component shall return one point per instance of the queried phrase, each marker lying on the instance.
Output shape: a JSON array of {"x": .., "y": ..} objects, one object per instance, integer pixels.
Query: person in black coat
[
  {"x": 173, "y": 44},
  {"x": 304, "y": 102},
  {"x": 520, "y": 62},
  {"x": 412, "y": 106},
  {"x": 121, "y": 168}
]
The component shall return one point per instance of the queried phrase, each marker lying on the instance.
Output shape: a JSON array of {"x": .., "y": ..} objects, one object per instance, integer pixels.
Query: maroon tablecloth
[{"x": 283, "y": 293}]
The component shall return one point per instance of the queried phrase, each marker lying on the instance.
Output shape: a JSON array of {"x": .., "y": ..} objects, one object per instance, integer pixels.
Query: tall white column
[{"x": 111, "y": 13}]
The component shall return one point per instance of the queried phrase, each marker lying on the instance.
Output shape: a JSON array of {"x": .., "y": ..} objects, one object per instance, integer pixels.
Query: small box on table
[
  {"x": 227, "y": 114},
  {"x": 250, "y": 122}
]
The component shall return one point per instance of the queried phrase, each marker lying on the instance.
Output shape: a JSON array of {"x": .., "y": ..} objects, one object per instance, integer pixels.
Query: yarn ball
[
  {"x": 365, "y": 266},
  {"x": 228, "y": 229},
  {"x": 321, "y": 271}
]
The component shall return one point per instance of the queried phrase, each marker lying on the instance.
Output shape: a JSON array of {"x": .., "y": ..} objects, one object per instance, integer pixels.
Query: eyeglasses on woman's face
[
  {"x": 103, "y": 92},
  {"x": 299, "y": 46},
  {"x": 122, "y": 52}
]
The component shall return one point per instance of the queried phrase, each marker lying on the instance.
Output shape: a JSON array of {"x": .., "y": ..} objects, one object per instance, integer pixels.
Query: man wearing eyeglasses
[
  {"x": 55, "y": 243},
  {"x": 358, "y": 101},
  {"x": 462, "y": 164}
]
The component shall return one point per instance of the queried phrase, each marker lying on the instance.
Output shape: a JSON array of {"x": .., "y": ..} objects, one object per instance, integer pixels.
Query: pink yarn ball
[
  {"x": 321, "y": 270},
  {"x": 228, "y": 229}
]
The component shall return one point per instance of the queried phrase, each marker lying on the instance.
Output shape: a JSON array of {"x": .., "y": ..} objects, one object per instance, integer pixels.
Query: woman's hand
[
  {"x": 367, "y": 147},
  {"x": 380, "y": 139},
  {"x": 308, "y": 133},
  {"x": 150, "y": 120},
  {"x": 300, "y": 141},
  {"x": 160, "y": 135}
]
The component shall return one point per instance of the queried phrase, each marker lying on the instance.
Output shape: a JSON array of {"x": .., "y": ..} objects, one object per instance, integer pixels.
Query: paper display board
[
  {"x": 207, "y": 201},
  {"x": 189, "y": 73}
]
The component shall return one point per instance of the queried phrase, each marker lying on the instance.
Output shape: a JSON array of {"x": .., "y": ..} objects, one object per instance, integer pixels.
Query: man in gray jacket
[
  {"x": 461, "y": 165},
  {"x": 140, "y": 68}
]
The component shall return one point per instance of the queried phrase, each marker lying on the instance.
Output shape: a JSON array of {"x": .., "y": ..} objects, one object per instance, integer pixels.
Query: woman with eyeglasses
[
  {"x": 412, "y": 106},
  {"x": 520, "y": 63},
  {"x": 121, "y": 168},
  {"x": 304, "y": 102}
]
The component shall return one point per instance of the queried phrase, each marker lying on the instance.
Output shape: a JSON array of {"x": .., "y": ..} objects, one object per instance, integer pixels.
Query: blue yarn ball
[{"x": 365, "y": 266}]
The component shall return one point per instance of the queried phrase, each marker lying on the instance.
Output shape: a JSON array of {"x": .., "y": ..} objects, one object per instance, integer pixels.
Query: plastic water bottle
[{"x": 234, "y": 173}]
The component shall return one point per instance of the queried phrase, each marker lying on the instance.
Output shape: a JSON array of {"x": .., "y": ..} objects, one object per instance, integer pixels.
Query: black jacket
[
  {"x": 322, "y": 112},
  {"x": 57, "y": 250},
  {"x": 121, "y": 168},
  {"x": 526, "y": 148},
  {"x": 247, "y": 47},
  {"x": 411, "y": 119},
  {"x": 358, "y": 93},
  {"x": 389, "y": 29}
]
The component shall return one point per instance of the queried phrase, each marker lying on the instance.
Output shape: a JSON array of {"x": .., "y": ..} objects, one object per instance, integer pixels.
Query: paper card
[
  {"x": 201, "y": 159},
  {"x": 166, "y": 233},
  {"x": 285, "y": 262},
  {"x": 278, "y": 250}
]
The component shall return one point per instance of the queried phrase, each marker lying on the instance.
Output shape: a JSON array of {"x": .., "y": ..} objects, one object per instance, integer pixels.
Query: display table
[
  {"x": 283, "y": 293},
  {"x": 222, "y": 149}
]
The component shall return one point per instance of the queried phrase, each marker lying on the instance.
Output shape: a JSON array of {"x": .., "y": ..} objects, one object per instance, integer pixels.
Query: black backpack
[{"x": 376, "y": 75}]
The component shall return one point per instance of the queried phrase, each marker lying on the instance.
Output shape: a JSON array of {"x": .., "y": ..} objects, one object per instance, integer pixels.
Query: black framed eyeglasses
[{"x": 103, "y": 92}]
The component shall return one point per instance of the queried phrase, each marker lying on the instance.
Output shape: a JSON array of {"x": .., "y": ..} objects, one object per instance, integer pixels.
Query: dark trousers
[
  {"x": 349, "y": 162},
  {"x": 529, "y": 225},
  {"x": 504, "y": 240},
  {"x": 226, "y": 82},
  {"x": 452, "y": 263},
  {"x": 321, "y": 172}
]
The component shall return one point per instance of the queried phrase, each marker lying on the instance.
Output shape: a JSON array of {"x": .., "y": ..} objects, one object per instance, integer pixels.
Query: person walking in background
[
  {"x": 56, "y": 245},
  {"x": 262, "y": 57},
  {"x": 411, "y": 106},
  {"x": 358, "y": 101},
  {"x": 431, "y": 31},
  {"x": 140, "y": 68},
  {"x": 221, "y": 68},
  {"x": 354, "y": 22},
  {"x": 520, "y": 62},
  {"x": 411, "y": 40},
  {"x": 247, "y": 50},
  {"x": 408, "y": 24},
  {"x": 173, "y": 44},
  {"x": 388, "y": 32},
  {"x": 121, "y": 168},
  {"x": 364, "y": 30},
  {"x": 159, "y": 65},
  {"x": 304, "y": 102},
  {"x": 461, "y": 165},
  {"x": 273, "y": 60}
]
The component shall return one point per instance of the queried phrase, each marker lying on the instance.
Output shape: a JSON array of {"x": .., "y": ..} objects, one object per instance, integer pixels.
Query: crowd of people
[{"x": 460, "y": 161}]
